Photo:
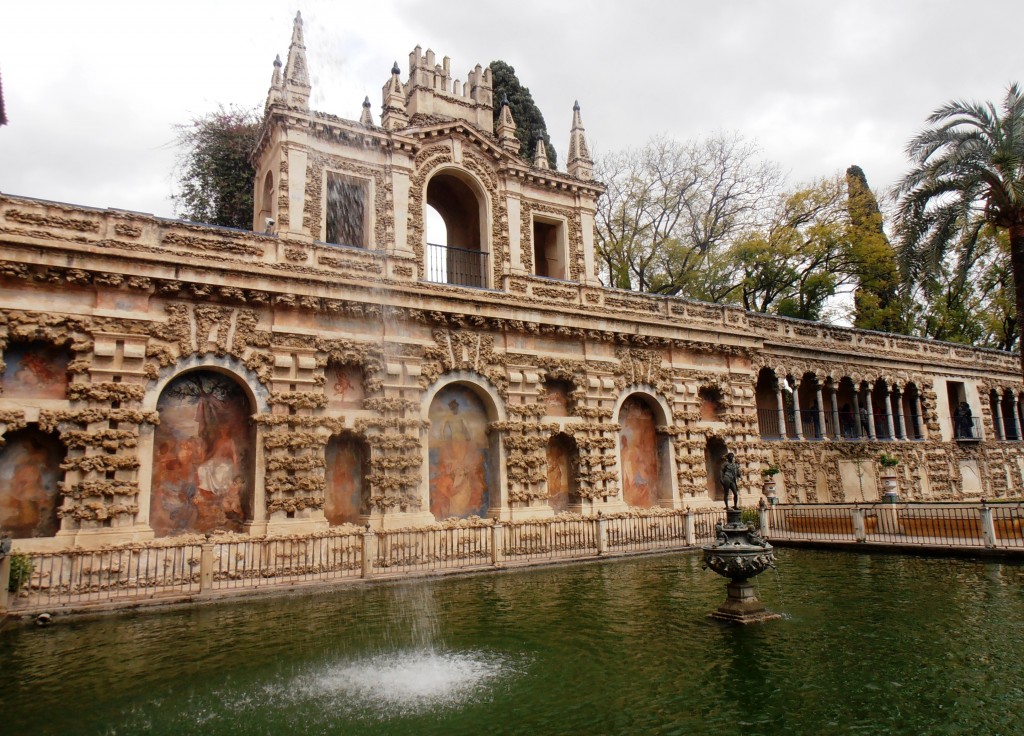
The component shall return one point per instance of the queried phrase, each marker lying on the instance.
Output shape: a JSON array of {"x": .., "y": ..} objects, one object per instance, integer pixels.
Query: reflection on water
[{"x": 879, "y": 645}]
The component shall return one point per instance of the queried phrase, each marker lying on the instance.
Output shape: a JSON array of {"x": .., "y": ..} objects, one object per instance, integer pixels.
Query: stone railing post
[
  {"x": 764, "y": 521},
  {"x": 497, "y": 543},
  {"x": 602, "y": 534},
  {"x": 689, "y": 528},
  {"x": 988, "y": 527},
  {"x": 369, "y": 552},
  {"x": 857, "y": 516},
  {"x": 5, "y": 581},
  {"x": 206, "y": 567}
]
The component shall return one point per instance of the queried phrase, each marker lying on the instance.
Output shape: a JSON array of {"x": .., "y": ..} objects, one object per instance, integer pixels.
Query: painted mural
[
  {"x": 35, "y": 370},
  {"x": 556, "y": 400},
  {"x": 562, "y": 456},
  {"x": 29, "y": 484},
  {"x": 346, "y": 473},
  {"x": 345, "y": 387},
  {"x": 638, "y": 445},
  {"x": 461, "y": 458},
  {"x": 203, "y": 461}
]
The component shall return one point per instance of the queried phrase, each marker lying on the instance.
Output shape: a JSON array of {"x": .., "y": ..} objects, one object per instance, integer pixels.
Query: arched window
[
  {"x": 204, "y": 457},
  {"x": 346, "y": 497},
  {"x": 462, "y": 260},
  {"x": 30, "y": 475},
  {"x": 463, "y": 455},
  {"x": 266, "y": 205}
]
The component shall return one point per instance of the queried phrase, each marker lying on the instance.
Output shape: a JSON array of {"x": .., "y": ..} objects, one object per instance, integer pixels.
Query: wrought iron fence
[
  {"x": 252, "y": 563},
  {"x": 460, "y": 266},
  {"x": 550, "y": 539}
]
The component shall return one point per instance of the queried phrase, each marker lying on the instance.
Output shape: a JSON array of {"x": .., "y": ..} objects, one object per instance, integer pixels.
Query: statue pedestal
[{"x": 742, "y": 606}]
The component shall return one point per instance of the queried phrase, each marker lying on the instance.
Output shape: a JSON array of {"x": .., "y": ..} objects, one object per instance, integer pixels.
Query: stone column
[
  {"x": 821, "y": 412},
  {"x": 835, "y": 413},
  {"x": 1016, "y": 416},
  {"x": 921, "y": 426},
  {"x": 782, "y": 409},
  {"x": 871, "y": 414},
  {"x": 901, "y": 423},
  {"x": 797, "y": 417},
  {"x": 997, "y": 417},
  {"x": 856, "y": 415},
  {"x": 889, "y": 424}
]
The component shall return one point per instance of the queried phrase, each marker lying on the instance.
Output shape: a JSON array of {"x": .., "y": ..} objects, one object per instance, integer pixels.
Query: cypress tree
[{"x": 529, "y": 120}]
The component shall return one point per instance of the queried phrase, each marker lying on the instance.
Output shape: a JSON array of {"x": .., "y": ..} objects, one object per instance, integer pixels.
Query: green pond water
[{"x": 867, "y": 645}]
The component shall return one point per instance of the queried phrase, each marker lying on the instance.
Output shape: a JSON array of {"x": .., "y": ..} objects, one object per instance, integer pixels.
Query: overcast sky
[{"x": 93, "y": 89}]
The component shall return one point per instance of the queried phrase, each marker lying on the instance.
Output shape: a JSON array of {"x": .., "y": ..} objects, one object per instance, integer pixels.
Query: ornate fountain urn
[{"x": 739, "y": 554}]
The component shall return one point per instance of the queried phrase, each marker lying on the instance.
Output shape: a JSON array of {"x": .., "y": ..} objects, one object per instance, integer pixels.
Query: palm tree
[{"x": 968, "y": 173}]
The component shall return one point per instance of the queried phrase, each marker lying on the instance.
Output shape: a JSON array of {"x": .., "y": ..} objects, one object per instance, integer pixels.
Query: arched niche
[
  {"x": 563, "y": 458},
  {"x": 344, "y": 386},
  {"x": 460, "y": 202},
  {"x": 346, "y": 496},
  {"x": 715, "y": 451},
  {"x": 30, "y": 476},
  {"x": 463, "y": 456},
  {"x": 35, "y": 370},
  {"x": 644, "y": 455},
  {"x": 203, "y": 470}
]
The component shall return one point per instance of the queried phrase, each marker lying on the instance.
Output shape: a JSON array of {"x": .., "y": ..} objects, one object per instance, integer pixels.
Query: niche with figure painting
[
  {"x": 643, "y": 454},
  {"x": 35, "y": 370},
  {"x": 346, "y": 497},
  {"x": 344, "y": 386},
  {"x": 204, "y": 457},
  {"x": 463, "y": 455},
  {"x": 712, "y": 404},
  {"x": 30, "y": 478},
  {"x": 557, "y": 398},
  {"x": 563, "y": 467}
]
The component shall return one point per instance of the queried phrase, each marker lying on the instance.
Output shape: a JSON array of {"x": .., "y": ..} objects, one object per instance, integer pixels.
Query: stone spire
[
  {"x": 395, "y": 116},
  {"x": 507, "y": 128},
  {"x": 366, "y": 117},
  {"x": 540, "y": 156},
  {"x": 275, "y": 95},
  {"x": 296, "y": 71},
  {"x": 580, "y": 164}
]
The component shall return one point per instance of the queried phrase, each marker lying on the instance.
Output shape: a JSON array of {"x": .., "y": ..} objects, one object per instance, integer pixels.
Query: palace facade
[{"x": 343, "y": 363}]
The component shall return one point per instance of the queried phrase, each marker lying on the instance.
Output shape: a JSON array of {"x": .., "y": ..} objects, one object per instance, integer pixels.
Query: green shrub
[{"x": 21, "y": 570}]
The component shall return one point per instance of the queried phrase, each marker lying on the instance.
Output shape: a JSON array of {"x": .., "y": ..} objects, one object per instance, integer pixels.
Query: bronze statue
[{"x": 730, "y": 475}]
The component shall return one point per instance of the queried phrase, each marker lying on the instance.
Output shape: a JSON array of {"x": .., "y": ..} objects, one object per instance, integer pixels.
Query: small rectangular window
[
  {"x": 347, "y": 211},
  {"x": 549, "y": 249}
]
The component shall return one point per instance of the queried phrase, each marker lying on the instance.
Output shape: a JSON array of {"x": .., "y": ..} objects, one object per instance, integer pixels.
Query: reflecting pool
[{"x": 868, "y": 644}]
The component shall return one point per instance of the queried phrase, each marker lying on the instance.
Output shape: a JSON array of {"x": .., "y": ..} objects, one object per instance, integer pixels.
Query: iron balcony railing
[
  {"x": 810, "y": 425},
  {"x": 966, "y": 429},
  {"x": 459, "y": 266}
]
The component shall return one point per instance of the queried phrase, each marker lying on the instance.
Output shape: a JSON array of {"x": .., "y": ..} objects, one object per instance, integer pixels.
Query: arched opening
[
  {"x": 882, "y": 409},
  {"x": 849, "y": 408},
  {"x": 1009, "y": 412},
  {"x": 643, "y": 454},
  {"x": 462, "y": 260},
  {"x": 810, "y": 412},
  {"x": 266, "y": 205},
  {"x": 204, "y": 463},
  {"x": 347, "y": 460},
  {"x": 30, "y": 478},
  {"x": 912, "y": 419},
  {"x": 35, "y": 370},
  {"x": 563, "y": 467},
  {"x": 714, "y": 455},
  {"x": 712, "y": 404},
  {"x": 766, "y": 398},
  {"x": 463, "y": 455}
]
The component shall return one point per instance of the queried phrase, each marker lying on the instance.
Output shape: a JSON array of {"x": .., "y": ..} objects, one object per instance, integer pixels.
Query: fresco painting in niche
[
  {"x": 203, "y": 461},
  {"x": 461, "y": 459},
  {"x": 346, "y": 473},
  {"x": 561, "y": 469},
  {"x": 29, "y": 484},
  {"x": 345, "y": 387},
  {"x": 556, "y": 402},
  {"x": 35, "y": 370},
  {"x": 641, "y": 461}
]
